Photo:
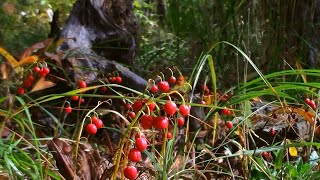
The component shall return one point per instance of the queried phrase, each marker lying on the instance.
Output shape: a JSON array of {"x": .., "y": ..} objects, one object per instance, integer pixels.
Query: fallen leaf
[
  {"x": 42, "y": 84},
  {"x": 55, "y": 57},
  {"x": 39, "y": 45},
  {"x": 27, "y": 60},
  {"x": 208, "y": 99},
  {"x": 12, "y": 61},
  {"x": 292, "y": 150}
]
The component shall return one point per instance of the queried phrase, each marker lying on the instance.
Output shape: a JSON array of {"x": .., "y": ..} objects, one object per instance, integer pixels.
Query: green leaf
[
  {"x": 53, "y": 174},
  {"x": 279, "y": 158}
]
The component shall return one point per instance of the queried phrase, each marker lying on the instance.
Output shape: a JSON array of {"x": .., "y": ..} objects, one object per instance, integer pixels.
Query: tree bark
[{"x": 105, "y": 26}]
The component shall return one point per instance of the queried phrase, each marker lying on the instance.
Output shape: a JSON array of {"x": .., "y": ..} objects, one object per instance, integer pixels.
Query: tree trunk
[{"x": 105, "y": 26}]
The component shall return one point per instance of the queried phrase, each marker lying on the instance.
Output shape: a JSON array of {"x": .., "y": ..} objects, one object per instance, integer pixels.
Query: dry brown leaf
[
  {"x": 36, "y": 46},
  {"x": 5, "y": 133},
  {"x": 55, "y": 57},
  {"x": 42, "y": 84}
]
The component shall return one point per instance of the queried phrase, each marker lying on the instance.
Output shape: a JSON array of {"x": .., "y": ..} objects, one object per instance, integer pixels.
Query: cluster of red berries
[
  {"x": 134, "y": 155},
  {"x": 68, "y": 108},
  {"x": 27, "y": 83},
  {"x": 115, "y": 79},
  {"x": 151, "y": 119},
  {"x": 205, "y": 89},
  {"x": 148, "y": 121},
  {"x": 77, "y": 98},
  {"x": 43, "y": 71},
  {"x": 164, "y": 87},
  {"x": 226, "y": 112},
  {"x": 82, "y": 84},
  {"x": 311, "y": 103},
  {"x": 95, "y": 124}
]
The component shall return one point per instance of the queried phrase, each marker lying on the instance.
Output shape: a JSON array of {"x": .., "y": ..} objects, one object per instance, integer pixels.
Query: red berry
[
  {"x": 313, "y": 104},
  {"x": 184, "y": 110},
  {"x": 82, "y": 100},
  {"x": 137, "y": 106},
  {"x": 180, "y": 78},
  {"x": 46, "y": 70},
  {"x": 139, "y": 135},
  {"x": 131, "y": 114},
  {"x": 180, "y": 121},
  {"x": 27, "y": 83},
  {"x": 31, "y": 78},
  {"x": 170, "y": 108},
  {"x": 98, "y": 123},
  {"x": 272, "y": 132},
  {"x": 104, "y": 89},
  {"x": 203, "y": 102},
  {"x": 91, "y": 129},
  {"x": 307, "y": 101},
  {"x": 68, "y": 109},
  {"x": 163, "y": 86},
  {"x": 205, "y": 89},
  {"x": 226, "y": 112},
  {"x": 127, "y": 106},
  {"x": 118, "y": 80},
  {"x": 82, "y": 84},
  {"x": 161, "y": 122},
  {"x": 36, "y": 69},
  {"x": 94, "y": 119},
  {"x": 20, "y": 91},
  {"x": 134, "y": 155},
  {"x": 229, "y": 124},
  {"x": 172, "y": 79},
  {"x": 266, "y": 155},
  {"x": 130, "y": 172},
  {"x": 154, "y": 89},
  {"x": 141, "y": 144},
  {"x": 75, "y": 98},
  {"x": 169, "y": 135},
  {"x": 151, "y": 106},
  {"x": 146, "y": 121},
  {"x": 42, "y": 73},
  {"x": 224, "y": 98},
  {"x": 113, "y": 79}
]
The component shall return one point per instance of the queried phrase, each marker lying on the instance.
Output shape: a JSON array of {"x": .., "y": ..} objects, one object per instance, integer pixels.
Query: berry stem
[
  {"x": 79, "y": 132},
  {"x": 170, "y": 70},
  {"x": 123, "y": 141},
  {"x": 160, "y": 76},
  {"x": 163, "y": 149},
  {"x": 175, "y": 91},
  {"x": 176, "y": 68}
]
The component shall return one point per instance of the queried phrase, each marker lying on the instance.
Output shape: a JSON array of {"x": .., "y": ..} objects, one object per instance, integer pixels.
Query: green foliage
[{"x": 25, "y": 22}]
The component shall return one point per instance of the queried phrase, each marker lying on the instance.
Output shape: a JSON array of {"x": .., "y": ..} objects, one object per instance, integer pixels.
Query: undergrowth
[{"x": 204, "y": 146}]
